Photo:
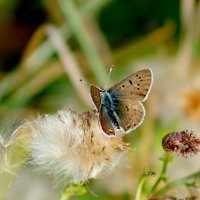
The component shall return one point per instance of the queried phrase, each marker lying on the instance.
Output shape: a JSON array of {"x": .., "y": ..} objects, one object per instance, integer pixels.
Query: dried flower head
[
  {"x": 183, "y": 143},
  {"x": 72, "y": 147}
]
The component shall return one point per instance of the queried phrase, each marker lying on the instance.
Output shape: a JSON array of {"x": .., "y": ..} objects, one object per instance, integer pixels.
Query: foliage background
[{"x": 47, "y": 46}]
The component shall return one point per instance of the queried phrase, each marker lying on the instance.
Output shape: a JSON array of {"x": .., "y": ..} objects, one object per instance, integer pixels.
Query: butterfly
[{"x": 120, "y": 107}]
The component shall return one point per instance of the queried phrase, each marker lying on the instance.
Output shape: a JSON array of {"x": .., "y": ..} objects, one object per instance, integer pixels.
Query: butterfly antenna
[
  {"x": 108, "y": 77},
  {"x": 81, "y": 80}
]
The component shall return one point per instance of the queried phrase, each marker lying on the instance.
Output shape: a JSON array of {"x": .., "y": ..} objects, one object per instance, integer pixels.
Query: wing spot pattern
[
  {"x": 130, "y": 82},
  {"x": 127, "y": 126},
  {"x": 142, "y": 95}
]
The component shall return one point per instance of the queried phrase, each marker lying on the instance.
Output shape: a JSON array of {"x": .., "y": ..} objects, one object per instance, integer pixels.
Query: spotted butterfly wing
[
  {"x": 129, "y": 114},
  {"x": 135, "y": 87},
  {"x": 129, "y": 93}
]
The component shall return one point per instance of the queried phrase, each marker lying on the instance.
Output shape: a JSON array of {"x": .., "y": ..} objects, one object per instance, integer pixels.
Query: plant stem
[
  {"x": 177, "y": 182},
  {"x": 162, "y": 175},
  {"x": 140, "y": 185}
]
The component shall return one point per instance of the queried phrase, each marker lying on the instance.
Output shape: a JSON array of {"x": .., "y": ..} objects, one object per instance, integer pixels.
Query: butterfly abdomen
[{"x": 113, "y": 118}]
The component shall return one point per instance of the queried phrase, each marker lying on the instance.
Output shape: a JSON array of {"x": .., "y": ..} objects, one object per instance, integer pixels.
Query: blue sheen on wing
[{"x": 110, "y": 104}]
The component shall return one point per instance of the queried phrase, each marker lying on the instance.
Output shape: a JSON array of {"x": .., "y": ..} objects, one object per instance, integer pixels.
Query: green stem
[
  {"x": 177, "y": 182},
  {"x": 140, "y": 185},
  {"x": 76, "y": 25},
  {"x": 162, "y": 175}
]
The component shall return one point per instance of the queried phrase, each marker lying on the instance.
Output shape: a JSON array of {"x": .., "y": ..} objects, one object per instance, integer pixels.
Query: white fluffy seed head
[{"x": 73, "y": 148}]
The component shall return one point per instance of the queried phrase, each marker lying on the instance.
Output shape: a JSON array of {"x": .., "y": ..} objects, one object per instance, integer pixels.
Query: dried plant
[
  {"x": 183, "y": 143},
  {"x": 72, "y": 147}
]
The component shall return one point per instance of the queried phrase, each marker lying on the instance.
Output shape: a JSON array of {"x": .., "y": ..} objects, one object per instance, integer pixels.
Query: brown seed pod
[{"x": 184, "y": 143}]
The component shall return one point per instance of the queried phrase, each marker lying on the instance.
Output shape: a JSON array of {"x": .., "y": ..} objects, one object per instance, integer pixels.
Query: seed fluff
[{"x": 73, "y": 148}]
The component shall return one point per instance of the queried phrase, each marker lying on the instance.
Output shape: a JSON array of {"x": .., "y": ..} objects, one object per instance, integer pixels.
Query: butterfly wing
[
  {"x": 96, "y": 97},
  {"x": 135, "y": 86},
  {"x": 129, "y": 93},
  {"x": 129, "y": 114},
  {"x": 105, "y": 121}
]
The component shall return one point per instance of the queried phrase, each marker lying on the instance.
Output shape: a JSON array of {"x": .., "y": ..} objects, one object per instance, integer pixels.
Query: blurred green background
[{"x": 47, "y": 46}]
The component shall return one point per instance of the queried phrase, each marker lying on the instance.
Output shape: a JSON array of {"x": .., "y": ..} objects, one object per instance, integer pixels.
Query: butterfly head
[{"x": 101, "y": 90}]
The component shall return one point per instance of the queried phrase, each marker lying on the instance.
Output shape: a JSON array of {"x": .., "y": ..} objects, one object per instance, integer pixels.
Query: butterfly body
[
  {"x": 120, "y": 106},
  {"x": 109, "y": 105}
]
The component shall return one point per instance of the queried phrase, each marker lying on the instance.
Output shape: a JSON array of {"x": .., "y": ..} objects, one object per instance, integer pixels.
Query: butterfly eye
[{"x": 101, "y": 90}]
